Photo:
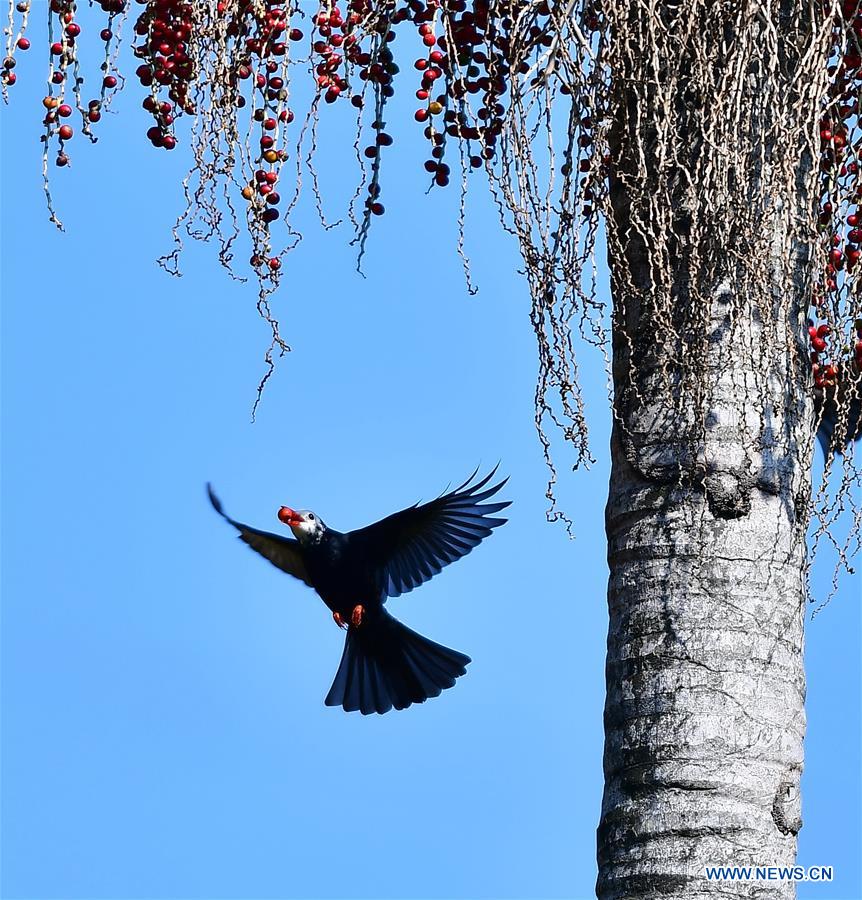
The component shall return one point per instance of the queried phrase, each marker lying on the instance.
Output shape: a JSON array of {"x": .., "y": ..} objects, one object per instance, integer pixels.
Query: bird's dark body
[
  {"x": 384, "y": 663},
  {"x": 340, "y": 575}
]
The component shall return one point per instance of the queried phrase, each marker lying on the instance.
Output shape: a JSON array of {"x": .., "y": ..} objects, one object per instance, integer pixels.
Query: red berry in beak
[{"x": 289, "y": 516}]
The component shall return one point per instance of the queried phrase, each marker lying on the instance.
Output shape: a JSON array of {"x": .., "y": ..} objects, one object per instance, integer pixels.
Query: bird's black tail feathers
[{"x": 386, "y": 665}]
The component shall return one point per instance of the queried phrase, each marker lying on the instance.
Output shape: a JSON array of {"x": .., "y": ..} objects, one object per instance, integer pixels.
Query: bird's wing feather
[
  {"x": 409, "y": 547},
  {"x": 285, "y": 553}
]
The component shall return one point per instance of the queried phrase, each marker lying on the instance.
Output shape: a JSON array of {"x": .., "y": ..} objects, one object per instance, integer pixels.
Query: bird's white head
[{"x": 307, "y": 527}]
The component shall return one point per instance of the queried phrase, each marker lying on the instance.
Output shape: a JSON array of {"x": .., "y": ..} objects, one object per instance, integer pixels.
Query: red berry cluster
[
  {"x": 466, "y": 72},
  {"x": 467, "y": 55},
  {"x": 63, "y": 56},
  {"x": 165, "y": 27},
  {"x": 15, "y": 41},
  {"x": 840, "y": 162},
  {"x": 63, "y": 33},
  {"x": 334, "y": 37},
  {"x": 261, "y": 193},
  {"x": 468, "y": 52},
  {"x": 260, "y": 62},
  {"x": 823, "y": 374},
  {"x": 376, "y": 67}
]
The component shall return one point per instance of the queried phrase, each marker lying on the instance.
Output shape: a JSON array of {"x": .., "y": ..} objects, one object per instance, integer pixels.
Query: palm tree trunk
[
  {"x": 706, "y": 521},
  {"x": 704, "y": 717}
]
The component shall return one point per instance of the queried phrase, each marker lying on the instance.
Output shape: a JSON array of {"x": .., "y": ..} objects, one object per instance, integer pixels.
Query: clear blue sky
[{"x": 164, "y": 733}]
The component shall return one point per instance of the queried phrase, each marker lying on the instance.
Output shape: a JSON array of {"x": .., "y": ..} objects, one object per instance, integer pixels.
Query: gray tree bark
[
  {"x": 706, "y": 522},
  {"x": 704, "y": 715}
]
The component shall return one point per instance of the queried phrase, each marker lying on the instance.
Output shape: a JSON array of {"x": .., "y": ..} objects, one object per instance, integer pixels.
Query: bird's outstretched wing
[
  {"x": 282, "y": 552},
  {"x": 411, "y": 546}
]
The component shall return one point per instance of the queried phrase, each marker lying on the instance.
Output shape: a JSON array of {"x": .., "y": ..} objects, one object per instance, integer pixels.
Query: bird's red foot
[
  {"x": 356, "y": 617},
  {"x": 339, "y": 621}
]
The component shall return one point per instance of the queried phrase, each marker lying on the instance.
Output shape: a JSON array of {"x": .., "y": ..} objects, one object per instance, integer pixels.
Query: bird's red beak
[{"x": 289, "y": 516}]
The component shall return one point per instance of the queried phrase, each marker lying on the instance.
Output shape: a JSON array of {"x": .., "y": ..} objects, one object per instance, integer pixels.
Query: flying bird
[{"x": 384, "y": 663}]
